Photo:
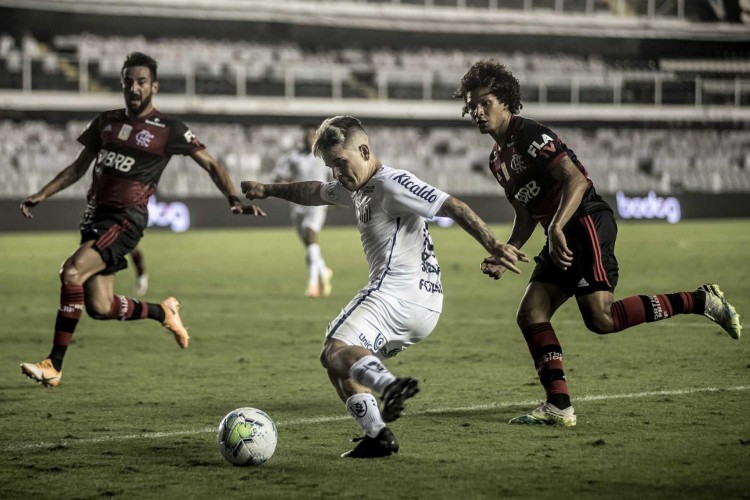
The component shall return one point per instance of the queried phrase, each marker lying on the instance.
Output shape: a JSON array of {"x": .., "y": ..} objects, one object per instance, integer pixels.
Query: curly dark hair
[
  {"x": 494, "y": 76},
  {"x": 140, "y": 59}
]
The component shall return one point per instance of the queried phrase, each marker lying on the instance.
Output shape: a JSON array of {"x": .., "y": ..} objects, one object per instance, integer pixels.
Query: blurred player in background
[
  {"x": 401, "y": 303},
  {"x": 141, "y": 276},
  {"x": 300, "y": 164},
  {"x": 130, "y": 148},
  {"x": 547, "y": 185}
]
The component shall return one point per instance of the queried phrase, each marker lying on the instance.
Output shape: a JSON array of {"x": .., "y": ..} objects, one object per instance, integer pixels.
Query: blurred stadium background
[{"x": 653, "y": 95}]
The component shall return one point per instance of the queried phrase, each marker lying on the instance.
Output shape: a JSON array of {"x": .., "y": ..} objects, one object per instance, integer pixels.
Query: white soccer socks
[
  {"x": 314, "y": 259},
  {"x": 364, "y": 408},
  {"x": 371, "y": 373}
]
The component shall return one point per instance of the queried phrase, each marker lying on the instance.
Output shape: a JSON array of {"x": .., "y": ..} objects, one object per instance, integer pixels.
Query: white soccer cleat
[
  {"x": 720, "y": 311},
  {"x": 325, "y": 282},
  {"x": 141, "y": 285},
  {"x": 547, "y": 414}
]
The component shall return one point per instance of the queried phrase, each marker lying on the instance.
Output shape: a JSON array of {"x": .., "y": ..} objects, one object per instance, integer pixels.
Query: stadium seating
[
  {"x": 223, "y": 67},
  {"x": 629, "y": 159}
]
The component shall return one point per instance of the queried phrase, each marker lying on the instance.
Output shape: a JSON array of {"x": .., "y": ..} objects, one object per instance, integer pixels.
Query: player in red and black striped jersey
[
  {"x": 547, "y": 185},
  {"x": 130, "y": 148}
]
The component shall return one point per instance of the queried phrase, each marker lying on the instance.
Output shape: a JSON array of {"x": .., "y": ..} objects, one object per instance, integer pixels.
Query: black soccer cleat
[
  {"x": 383, "y": 445},
  {"x": 395, "y": 395}
]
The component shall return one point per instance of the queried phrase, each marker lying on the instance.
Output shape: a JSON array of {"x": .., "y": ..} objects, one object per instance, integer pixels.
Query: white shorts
[
  {"x": 382, "y": 323},
  {"x": 311, "y": 218}
]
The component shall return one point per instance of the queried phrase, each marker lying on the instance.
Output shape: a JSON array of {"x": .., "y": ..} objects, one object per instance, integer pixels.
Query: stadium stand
[
  {"x": 196, "y": 66},
  {"x": 630, "y": 59},
  {"x": 631, "y": 159}
]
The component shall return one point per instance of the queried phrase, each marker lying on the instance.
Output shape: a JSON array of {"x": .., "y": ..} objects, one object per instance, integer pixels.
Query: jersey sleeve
[
  {"x": 335, "y": 194},
  {"x": 91, "y": 137},
  {"x": 404, "y": 193},
  {"x": 182, "y": 140},
  {"x": 543, "y": 147}
]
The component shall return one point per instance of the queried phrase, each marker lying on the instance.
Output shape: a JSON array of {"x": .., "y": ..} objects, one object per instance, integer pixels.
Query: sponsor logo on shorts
[
  {"x": 379, "y": 342},
  {"x": 583, "y": 283},
  {"x": 374, "y": 347},
  {"x": 365, "y": 342},
  {"x": 430, "y": 286}
]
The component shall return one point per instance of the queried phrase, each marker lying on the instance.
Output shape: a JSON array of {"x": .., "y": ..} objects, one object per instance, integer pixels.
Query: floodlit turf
[{"x": 662, "y": 409}]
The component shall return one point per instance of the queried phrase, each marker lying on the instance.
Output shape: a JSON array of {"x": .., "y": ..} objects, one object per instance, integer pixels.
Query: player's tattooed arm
[
  {"x": 301, "y": 193},
  {"x": 523, "y": 227},
  {"x": 505, "y": 255},
  {"x": 69, "y": 175}
]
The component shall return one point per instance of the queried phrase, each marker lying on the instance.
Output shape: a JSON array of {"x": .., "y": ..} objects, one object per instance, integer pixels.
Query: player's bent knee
[
  {"x": 69, "y": 274},
  {"x": 98, "y": 310},
  {"x": 599, "y": 325}
]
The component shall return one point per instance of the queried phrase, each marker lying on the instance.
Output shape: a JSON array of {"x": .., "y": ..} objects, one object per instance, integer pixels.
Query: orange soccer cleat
[
  {"x": 42, "y": 372},
  {"x": 173, "y": 323}
]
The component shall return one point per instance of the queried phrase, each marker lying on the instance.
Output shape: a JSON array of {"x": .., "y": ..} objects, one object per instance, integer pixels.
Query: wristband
[{"x": 233, "y": 200}]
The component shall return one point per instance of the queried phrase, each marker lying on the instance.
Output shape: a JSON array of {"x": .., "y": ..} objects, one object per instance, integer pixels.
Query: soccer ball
[{"x": 247, "y": 436}]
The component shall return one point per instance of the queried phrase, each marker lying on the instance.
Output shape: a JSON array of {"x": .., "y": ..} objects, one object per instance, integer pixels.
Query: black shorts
[
  {"x": 116, "y": 234},
  {"x": 591, "y": 238}
]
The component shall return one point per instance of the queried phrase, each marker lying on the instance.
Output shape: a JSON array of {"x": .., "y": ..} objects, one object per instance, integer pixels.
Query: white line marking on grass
[{"x": 321, "y": 420}]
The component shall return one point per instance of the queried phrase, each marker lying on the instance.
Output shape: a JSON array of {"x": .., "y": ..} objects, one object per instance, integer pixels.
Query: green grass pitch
[{"x": 662, "y": 408}]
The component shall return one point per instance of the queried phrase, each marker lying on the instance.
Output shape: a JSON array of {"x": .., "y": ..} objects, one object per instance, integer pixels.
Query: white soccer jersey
[
  {"x": 299, "y": 165},
  {"x": 391, "y": 210}
]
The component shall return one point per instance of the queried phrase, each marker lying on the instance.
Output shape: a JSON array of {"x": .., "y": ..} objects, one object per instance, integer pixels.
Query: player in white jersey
[
  {"x": 299, "y": 164},
  {"x": 401, "y": 303}
]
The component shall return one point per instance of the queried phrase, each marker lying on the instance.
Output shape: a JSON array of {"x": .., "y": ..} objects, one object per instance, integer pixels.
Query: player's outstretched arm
[
  {"x": 523, "y": 227},
  {"x": 220, "y": 175},
  {"x": 506, "y": 255},
  {"x": 301, "y": 193},
  {"x": 67, "y": 176}
]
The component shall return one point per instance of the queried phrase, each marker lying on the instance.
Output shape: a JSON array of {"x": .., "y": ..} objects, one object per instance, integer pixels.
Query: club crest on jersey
[
  {"x": 364, "y": 214},
  {"x": 419, "y": 190},
  {"x": 517, "y": 164},
  {"x": 143, "y": 138},
  {"x": 125, "y": 132},
  {"x": 331, "y": 192}
]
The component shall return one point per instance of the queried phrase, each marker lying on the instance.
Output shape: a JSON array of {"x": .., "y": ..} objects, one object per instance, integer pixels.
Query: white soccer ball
[{"x": 247, "y": 436}]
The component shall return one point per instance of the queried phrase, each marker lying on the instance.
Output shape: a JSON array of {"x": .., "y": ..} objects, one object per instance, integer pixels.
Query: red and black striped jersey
[
  {"x": 132, "y": 154},
  {"x": 523, "y": 165}
]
